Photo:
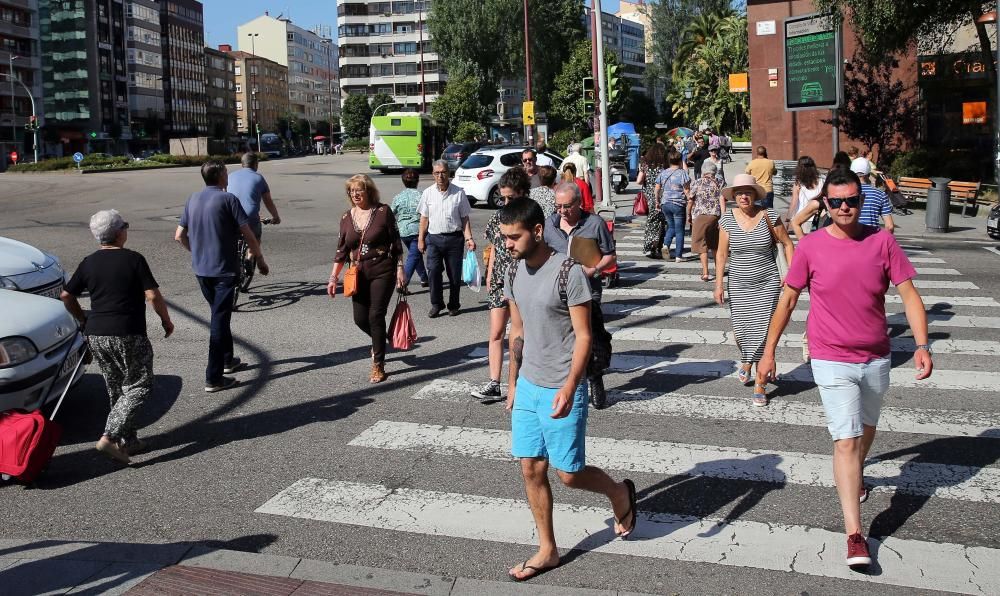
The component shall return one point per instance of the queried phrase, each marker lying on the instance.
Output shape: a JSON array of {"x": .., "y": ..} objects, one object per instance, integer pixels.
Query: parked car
[
  {"x": 39, "y": 348},
  {"x": 993, "y": 222},
  {"x": 456, "y": 153},
  {"x": 480, "y": 172},
  {"x": 28, "y": 269}
]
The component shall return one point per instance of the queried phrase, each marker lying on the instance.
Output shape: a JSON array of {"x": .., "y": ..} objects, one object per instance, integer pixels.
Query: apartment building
[
  {"x": 144, "y": 57},
  {"x": 638, "y": 12},
  {"x": 220, "y": 90},
  {"x": 261, "y": 92},
  {"x": 313, "y": 90},
  {"x": 19, "y": 48},
  {"x": 84, "y": 75},
  {"x": 627, "y": 39},
  {"x": 385, "y": 47},
  {"x": 182, "y": 32}
]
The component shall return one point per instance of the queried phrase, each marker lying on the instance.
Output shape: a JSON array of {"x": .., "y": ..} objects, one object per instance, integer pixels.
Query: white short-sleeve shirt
[{"x": 444, "y": 210}]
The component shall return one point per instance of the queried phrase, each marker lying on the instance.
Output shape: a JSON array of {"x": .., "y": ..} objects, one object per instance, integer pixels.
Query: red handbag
[
  {"x": 640, "y": 206},
  {"x": 402, "y": 329}
]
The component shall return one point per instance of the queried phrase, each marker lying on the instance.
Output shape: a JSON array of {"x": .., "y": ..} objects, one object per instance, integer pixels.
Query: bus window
[{"x": 395, "y": 122}]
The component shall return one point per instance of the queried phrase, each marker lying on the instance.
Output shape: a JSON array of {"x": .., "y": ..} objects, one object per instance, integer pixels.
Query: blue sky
[{"x": 223, "y": 16}]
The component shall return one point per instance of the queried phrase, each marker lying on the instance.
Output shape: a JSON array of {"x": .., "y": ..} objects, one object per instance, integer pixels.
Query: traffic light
[
  {"x": 92, "y": 134},
  {"x": 613, "y": 93},
  {"x": 258, "y": 128},
  {"x": 589, "y": 97},
  {"x": 32, "y": 124}
]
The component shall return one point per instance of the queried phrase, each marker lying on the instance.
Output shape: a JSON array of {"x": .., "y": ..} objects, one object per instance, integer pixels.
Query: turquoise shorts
[{"x": 535, "y": 433}]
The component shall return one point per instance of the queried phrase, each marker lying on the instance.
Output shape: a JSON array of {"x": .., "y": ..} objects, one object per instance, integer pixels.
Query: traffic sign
[
  {"x": 77, "y": 157},
  {"x": 528, "y": 112},
  {"x": 812, "y": 52}
]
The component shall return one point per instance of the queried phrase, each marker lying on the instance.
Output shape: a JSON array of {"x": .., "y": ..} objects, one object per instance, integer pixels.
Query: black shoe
[
  {"x": 598, "y": 396},
  {"x": 452, "y": 312},
  {"x": 434, "y": 313},
  {"x": 224, "y": 383},
  {"x": 234, "y": 365},
  {"x": 425, "y": 284},
  {"x": 490, "y": 390}
]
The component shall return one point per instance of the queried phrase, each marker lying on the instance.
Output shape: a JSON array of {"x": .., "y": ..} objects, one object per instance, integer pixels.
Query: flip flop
[
  {"x": 631, "y": 510},
  {"x": 537, "y": 571}
]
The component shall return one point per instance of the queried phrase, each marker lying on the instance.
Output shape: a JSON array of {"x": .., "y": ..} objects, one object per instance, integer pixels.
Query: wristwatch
[{"x": 924, "y": 347}]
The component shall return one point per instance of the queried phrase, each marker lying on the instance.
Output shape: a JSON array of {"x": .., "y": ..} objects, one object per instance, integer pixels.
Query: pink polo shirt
[{"x": 847, "y": 280}]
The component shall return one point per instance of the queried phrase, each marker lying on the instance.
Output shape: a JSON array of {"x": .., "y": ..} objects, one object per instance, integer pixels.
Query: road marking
[
  {"x": 653, "y": 276},
  {"x": 792, "y": 340},
  {"x": 639, "y": 253},
  {"x": 709, "y": 407},
  {"x": 668, "y": 265},
  {"x": 992, "y": 249},
  {"x": 930, "y": 302},
  {"x": 801, "y": 549},
  {"x": 715, "y": 312},
  {"x": 946, "y": 481}
]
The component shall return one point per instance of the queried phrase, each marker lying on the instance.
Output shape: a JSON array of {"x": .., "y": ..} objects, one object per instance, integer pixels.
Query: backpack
[{"x": 600, "y": 346}]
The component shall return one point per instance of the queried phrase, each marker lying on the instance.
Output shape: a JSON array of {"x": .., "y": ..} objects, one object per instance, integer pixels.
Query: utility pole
[
  {"x": 527, "y": 68},
  {"x": 13, "y": 105},
  {"x": 602, "y": 94},
  {"x": 596, "y": 119},
  {"x": 34, "y": 115},
  {"x": 253, "y": 86}
]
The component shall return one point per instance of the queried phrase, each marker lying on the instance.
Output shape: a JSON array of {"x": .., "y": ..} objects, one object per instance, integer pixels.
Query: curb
[{"x": 115, "y": 568}]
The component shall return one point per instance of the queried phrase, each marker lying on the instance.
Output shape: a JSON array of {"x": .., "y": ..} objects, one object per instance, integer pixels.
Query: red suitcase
[{"x": 28, "y": 439}]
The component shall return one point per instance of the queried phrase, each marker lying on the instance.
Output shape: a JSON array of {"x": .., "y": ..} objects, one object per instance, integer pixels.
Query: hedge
[{"x": 100, "y": 161}]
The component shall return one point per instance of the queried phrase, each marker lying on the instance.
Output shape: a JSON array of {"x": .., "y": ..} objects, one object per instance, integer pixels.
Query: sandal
[
  {"x": 378, "y": 373},
  {"x": 631, "y": 510},
  {"x": 536, "y": 572},
  {"x": 743, "y": 374},
  {"x": 707, "y": 278},
  {"x": 759, "y": 395}
]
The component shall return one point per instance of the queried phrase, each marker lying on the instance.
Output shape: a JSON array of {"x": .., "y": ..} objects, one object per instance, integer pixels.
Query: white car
[
  {"x": 27, "y": 269},
  {"x": 39, "y": 348},
  {"x": 479, "y": 174}
]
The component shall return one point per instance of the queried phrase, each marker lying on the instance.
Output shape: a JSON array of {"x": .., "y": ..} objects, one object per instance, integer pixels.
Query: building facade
[
  {"x": 20, "y": 50},
  {"x": 627, "y": 39},
  {"x": 261, "y": 92},
  {"x": 220, "y": 89},
  {"x": 85, "y": 77},
  {"x": 638, "y": 12},
  {"x": 385, "y": 47},
  {"x": 182, "y": 32},
  {"x": 144, "y": 58},
  {"x": 313, "y": 89}
]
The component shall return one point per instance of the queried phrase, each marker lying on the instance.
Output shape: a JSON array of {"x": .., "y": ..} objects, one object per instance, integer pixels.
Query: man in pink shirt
[{"x": 847, "y": 268}]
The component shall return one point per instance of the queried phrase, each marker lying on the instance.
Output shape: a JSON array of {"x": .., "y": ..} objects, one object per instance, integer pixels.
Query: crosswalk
[{"x": 673, "y": 373}]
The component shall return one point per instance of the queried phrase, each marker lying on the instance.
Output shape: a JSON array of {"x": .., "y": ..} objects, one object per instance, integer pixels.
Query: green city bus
[{"x": 400, "y": 140}]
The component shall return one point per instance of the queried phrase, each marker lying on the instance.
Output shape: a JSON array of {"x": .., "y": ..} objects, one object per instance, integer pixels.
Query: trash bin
[{"x": 938, "y": 203}]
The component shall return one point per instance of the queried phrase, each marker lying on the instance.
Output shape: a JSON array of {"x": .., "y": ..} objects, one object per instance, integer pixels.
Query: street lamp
[
  {"x": 253, "y": 87},
  {"x": 13, "y": 107},
  {"x": 34, "y": 116},
  {"x": 688, "y": 93}
]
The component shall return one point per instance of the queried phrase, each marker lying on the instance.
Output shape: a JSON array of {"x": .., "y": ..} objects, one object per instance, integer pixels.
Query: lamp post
[
  {"x": 34, "y": 116},
  {"x": 527, "y": 68},
  {"x": 13, "y": 110},
  {"x": 253, "y": 87}
]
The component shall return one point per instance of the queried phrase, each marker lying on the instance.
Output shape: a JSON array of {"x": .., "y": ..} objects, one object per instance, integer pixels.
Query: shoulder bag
[
  {"x": 351, "y": 275},
  {"x": 779, "y": 252}
]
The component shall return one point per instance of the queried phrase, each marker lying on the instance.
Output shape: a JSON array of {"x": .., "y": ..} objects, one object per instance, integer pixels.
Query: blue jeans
[
  {"x": 218, "y": 291},
  {"x": 414, "y": 259},
  {"x": 674, "y": 216}
]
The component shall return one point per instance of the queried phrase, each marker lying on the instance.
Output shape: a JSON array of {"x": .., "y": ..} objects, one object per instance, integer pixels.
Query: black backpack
[{"x": 600, "y": 347}]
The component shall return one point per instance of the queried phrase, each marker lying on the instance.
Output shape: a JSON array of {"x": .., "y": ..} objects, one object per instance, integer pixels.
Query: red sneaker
[{"x": 857, "y": 552}]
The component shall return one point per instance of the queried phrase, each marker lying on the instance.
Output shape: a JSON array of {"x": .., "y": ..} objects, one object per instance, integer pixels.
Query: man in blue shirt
[
  {"x": 251, "y": 188},
  {"x": 876, "y": 204},
  {"x": 212, "y": 221}
]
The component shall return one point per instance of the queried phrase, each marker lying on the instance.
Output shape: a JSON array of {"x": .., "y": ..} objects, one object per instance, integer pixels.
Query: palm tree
[{"x": 702, "y": 28}]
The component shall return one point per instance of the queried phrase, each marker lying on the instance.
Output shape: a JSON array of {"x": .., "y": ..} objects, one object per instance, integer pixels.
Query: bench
[{"x": 965, "y": 193}]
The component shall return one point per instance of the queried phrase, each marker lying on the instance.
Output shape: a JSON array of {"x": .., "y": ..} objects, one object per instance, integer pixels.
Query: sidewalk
[{"x": 31, "y": 567}]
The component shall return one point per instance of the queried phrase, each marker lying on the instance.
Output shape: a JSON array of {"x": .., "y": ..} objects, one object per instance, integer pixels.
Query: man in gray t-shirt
[{"x": 547, "y": 394}]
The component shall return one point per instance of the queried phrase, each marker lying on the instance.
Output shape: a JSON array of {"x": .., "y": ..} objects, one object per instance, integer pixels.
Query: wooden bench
[{"x": 965, "y": 193}]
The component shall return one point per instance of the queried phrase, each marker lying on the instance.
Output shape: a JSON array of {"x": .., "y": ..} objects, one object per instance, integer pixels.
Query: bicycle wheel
[{"x": 247, "y": 265}]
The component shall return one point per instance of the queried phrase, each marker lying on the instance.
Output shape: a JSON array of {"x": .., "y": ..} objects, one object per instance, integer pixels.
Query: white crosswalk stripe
[
  {"x": 638, "y": 253},
  {"x": 932, "y": 284},
  {"x": 930, "y": 302}
]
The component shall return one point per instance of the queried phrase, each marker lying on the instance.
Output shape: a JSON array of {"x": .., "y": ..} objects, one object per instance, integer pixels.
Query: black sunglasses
[{"x": 852, "y": 202}]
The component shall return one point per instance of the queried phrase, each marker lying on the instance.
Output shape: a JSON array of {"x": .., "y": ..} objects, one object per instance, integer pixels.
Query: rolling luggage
[{"x": 28, "y": 439}]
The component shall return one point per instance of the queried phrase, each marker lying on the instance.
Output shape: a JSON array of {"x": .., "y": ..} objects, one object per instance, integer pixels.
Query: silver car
[
  {"x": 27, "y": 269},
  {"x": 39, "y": 349}
]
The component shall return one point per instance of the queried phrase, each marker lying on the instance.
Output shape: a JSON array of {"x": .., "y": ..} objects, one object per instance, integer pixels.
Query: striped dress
[{"x": 754, "y": 283}]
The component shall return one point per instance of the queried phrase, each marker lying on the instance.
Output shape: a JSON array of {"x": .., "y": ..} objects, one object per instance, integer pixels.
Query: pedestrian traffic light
[
  {"x": 92, "y": 134},
  {"x": 589, "y": 96},
  {"x": 32, "y": 124},
  {"x": 258, "y": 128},
  {"x": 613, "y": 93}
]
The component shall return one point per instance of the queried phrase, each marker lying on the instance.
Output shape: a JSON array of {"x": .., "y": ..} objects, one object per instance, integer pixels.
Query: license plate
[
  {"x": 618, "y": 178},
  {"x": 992, "y": 223},
  {"x": 464, "y": 178},
  {"x": 52, "y": 292},
  {"x": 70, "y": 363}
]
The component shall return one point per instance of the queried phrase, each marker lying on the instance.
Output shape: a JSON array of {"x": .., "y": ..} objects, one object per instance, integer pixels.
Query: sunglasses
[
  {"x": 528, "y": 160},
  {"x": 852, "y": 202}
]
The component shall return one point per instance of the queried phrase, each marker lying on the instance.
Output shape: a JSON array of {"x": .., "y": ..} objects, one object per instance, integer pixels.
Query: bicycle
[{"x": 247, "y": 268}]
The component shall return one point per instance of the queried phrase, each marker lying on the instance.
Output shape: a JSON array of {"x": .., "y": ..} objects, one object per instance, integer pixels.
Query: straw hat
[{"x": 744, "y": 181}]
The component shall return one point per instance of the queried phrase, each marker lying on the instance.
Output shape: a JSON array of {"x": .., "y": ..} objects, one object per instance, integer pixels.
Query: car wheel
[{"x": 494, "y": 199}]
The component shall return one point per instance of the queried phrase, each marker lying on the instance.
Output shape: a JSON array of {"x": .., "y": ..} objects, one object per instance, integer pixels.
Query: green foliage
[
  {"x": 356, "y": 144},
  {"x": 640, "y": 110},
  {"x": 567, "y": 96},
  {"x": 381, "y": 99},
  {"x": 558, "y": 141},
  {"x": 485, "y": 39},
  {"x": 302, "y": 128},
  {"x": 356, "y": 116},
  {"x": 706, "y": 73},
  {"x": 669, "y": 19},
  {"x": 469, "y": 131},
  {"x": 322, "y": 128},
  {"x": 922, "y": 163},
  {"x": 459, "y": 104}
]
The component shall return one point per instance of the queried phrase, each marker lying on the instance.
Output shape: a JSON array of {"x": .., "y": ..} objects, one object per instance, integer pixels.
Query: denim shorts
[
  {"x": 535, "y": 433},
  {"x": 851, "y": 394}
]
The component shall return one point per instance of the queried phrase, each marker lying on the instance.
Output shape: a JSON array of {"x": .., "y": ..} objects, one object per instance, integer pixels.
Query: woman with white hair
[{"x": 119, "y": 283}]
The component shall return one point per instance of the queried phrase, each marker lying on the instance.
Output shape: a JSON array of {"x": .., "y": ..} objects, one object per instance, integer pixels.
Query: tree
[
  {"x": 640, "y": 110},
  {"x": 323, "y": 128},
  {"x": 669, "y": 19},
  {"x": 702, "y": 28},
  {"x": 302, "y": 129},
  {"x": 485, "y": 39},
  {"x": 469, "y": 131},
  {"x": 459, "y": 103},
  {"x": 705, "y": 73},
  {"x": 356, "y": 116},
  {"x": 380, "y": 99},
  {"x": 567, "y": 96}
]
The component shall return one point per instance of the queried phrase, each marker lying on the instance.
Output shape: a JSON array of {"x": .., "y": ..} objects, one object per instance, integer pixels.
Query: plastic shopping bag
[
  {"x": 402, "y": 329},
  {"x": 471, "y": 274}
]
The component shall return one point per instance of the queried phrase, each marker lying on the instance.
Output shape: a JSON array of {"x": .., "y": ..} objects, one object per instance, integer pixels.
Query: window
[
  {"x": 239, "y": 105},
  {"x": 236, "y": 70},
  {"x": 239, "y": 87}
]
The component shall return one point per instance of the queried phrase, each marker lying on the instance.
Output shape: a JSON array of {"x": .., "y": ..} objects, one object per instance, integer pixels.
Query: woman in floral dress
[{"x": 652, "y": 163}]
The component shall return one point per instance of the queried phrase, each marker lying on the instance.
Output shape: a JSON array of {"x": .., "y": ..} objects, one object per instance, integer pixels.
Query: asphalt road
[{"x": 304, "y": 410}]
